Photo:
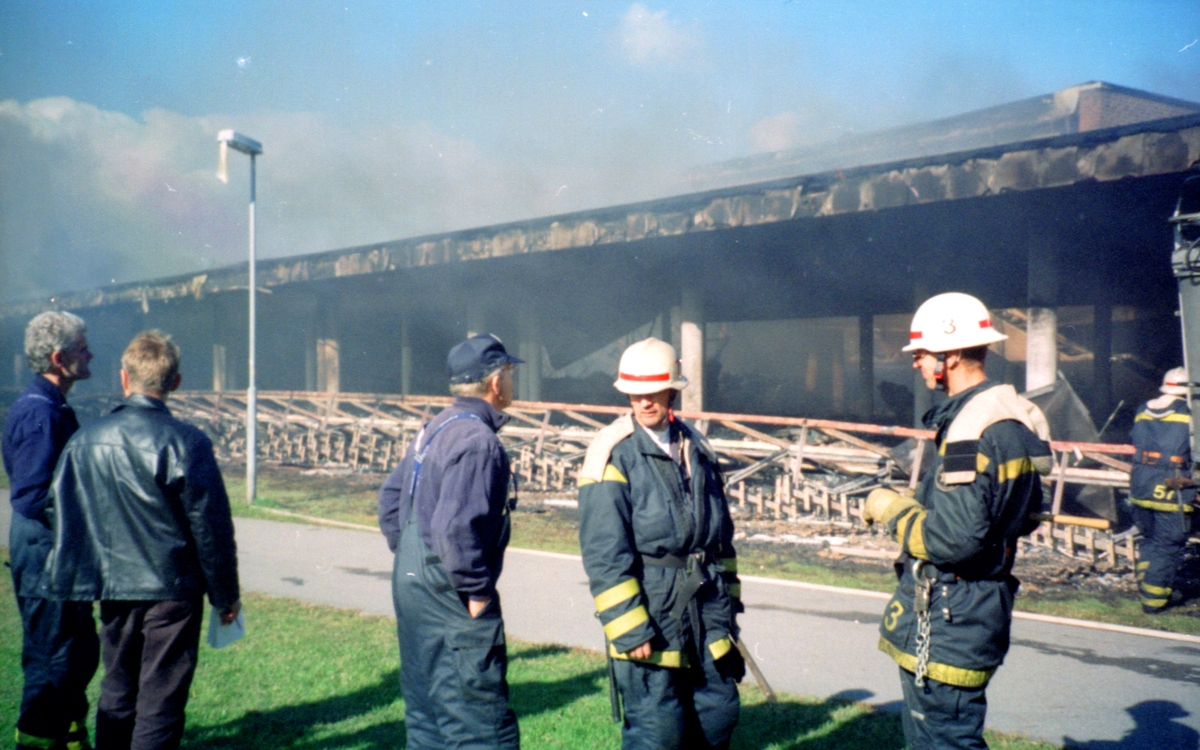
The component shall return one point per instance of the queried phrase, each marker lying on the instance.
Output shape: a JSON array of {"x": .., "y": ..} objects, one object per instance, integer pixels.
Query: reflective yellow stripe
[
  {"x": 1155, "y": 590},
  {"x": 669, "y": 659},
  {"x": 1143, "y": 564},
  {"x": 735, "y": 590},
  {"x": 626, "y": 589},
  {"x": 968, "y": 678},
  {"x": 729, "y": 564},
  {"x": 1154, "y": 602},
  {"x": 981, "y": 463},
  {"x": 720, "y": 647},
  {"x": 1168, "y": 418},
  {"x": 916, "y": 538},
  {"x": 1010, "y": 470},
  {"x": 1156, "y": 505},
  {"x": 30, "y": 740},
  {"x": 613, "y": 474},
  {"x": 626, "y": 622}
]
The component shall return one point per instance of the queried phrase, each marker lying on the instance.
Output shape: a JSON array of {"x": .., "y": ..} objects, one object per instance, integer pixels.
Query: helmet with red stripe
[
  {"x": 649, "y": 366},
  {"x": 950, "y": 322}
]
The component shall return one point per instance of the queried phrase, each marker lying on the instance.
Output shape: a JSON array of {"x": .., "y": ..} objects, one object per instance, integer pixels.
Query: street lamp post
[{"x": 238, "y": 142}]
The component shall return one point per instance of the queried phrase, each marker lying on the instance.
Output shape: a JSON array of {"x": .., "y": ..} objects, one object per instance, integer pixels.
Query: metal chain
[{"x": 923, "y": 594}]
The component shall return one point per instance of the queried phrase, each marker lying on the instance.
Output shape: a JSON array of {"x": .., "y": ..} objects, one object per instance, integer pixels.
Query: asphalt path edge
[{"x": 1019, "y": 614}]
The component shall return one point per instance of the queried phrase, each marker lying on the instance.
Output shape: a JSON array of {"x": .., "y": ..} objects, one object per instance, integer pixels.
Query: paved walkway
[{"x": 1060, "y": 683}]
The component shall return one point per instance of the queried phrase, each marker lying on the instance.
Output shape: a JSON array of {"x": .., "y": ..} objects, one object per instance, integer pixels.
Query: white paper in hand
[{"x": 220, "y": 636}]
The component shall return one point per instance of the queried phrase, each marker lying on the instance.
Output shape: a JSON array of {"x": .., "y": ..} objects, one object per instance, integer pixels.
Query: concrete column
[
  {"x": 1041, "y": 340},
  {"x": 691, "y": 349},
  {"x": 1102, "y": 361},
  {"x": 529, "y": 348},
  {"x": 1041, "y": 348},
  {"x": 405, "y": 354},
  {"x": 328, "y": 366},
  {"x": 328, "y": 354},
  {"x": 866, "y": 366},
  {"x": 218, "y": 367}
]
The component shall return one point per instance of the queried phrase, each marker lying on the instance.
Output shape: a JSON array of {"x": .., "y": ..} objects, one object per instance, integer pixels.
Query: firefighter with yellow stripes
[
  {"x": 1161, "y": 490},
  {"x": 657, "y": 543},
  {"x": 947, "y": 625}
]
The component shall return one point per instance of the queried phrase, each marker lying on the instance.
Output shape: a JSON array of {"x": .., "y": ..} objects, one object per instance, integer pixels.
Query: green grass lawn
[{"x": 317, "y": 677}]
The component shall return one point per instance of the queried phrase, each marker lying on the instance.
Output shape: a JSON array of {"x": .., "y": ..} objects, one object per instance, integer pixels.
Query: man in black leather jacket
[{"x": 142, "y": 523}]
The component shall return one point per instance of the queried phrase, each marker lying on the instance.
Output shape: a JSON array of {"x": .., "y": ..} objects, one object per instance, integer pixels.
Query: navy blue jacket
[
  {"x": 1160, "y": 434},
  {"x": 38, "y": 426},
  {"x": 461, "y": 498}
]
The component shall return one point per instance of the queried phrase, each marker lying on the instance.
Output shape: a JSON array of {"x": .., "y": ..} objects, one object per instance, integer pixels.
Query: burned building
[{"x": 786, "y": 280}]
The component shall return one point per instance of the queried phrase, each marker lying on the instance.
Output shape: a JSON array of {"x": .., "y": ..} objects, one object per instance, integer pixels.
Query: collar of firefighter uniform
[{"x": 942, "y": 414}]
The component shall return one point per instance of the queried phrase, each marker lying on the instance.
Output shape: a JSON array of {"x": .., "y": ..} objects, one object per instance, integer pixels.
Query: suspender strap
[{"x": 422, "y": 448}]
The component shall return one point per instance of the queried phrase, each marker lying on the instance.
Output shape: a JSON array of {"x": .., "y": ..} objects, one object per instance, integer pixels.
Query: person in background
[
  {"x": 141, "y": 523},
  {"x": 59, "y": 652},
  {"x": 1161, "y": 490},
  {"x": 445, "y": 513}
]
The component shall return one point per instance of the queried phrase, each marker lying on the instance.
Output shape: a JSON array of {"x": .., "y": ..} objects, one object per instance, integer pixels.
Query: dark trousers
[
  {"x": 59, "y": 650},
  {"x": 149, "y": 651},
  {"x": 1164, "y": 535},
  {"x": 942, "y": 717},
  {"x": 694, "y": 707},
  {"x": 453, "y": 668}
]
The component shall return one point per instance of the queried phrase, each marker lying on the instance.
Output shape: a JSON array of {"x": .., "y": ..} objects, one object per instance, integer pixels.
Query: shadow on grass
[
  {"x": 288, "y": 726},
  {"x": 292, "y": 726},
  {"x": 816, "y": 726}
]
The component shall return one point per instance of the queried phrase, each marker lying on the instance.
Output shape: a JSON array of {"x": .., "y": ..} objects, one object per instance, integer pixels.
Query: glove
[
  {"x": 1179, "y": 483},
  {"x": 877, "y": 502}
]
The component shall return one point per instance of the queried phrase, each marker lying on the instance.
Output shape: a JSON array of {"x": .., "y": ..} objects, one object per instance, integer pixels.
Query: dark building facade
[{"x": 788, "y": 295}]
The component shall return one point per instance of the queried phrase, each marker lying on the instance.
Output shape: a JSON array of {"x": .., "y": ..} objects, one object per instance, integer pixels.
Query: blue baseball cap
[{"x": 469, "y": 361}]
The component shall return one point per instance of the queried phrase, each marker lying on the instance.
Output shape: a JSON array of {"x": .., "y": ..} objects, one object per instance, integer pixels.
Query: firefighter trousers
[
  {"x": 666, "y": 708},
  {"x": 942, "y": 717},
  {"x": 453, "y": 667},
  {"x": 1164, "y": 535},
  {"x": 59, "y": 652}
]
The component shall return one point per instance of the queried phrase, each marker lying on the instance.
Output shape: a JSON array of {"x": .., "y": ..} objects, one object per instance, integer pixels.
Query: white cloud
[
  {"x": 88, "y": 195},
  {"x": 817, "y": 122},
  {"x": 650, "y": 37}
]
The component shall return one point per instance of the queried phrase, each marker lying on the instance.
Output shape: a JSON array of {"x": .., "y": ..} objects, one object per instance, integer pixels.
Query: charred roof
[{"x": 1095, "y": 132}]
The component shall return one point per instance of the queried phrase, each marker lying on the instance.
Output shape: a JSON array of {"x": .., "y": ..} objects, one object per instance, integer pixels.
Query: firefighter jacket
[
  {"x": 657, "y": 543},
  {"x": 1160, "y": 434},
  {"x": 958, "y": 537}
]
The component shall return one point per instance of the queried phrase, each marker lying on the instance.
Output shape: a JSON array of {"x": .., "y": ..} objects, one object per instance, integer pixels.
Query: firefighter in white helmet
[
  {"x": 947, "y": 625},
  {"x": 657, "y": 544},
  {"x": 1161, "y": 490}
]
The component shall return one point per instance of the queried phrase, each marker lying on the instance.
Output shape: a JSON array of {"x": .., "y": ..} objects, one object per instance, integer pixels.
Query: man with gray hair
[
  {"x": 445, "y": 513},
  {"x": 59, "y": 652}
]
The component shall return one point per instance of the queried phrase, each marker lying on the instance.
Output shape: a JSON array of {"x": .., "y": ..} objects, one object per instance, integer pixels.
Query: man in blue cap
[{"x": 445, "y": 513}]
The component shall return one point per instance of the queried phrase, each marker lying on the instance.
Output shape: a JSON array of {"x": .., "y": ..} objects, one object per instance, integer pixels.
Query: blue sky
[{"x": 384, "y": 120}]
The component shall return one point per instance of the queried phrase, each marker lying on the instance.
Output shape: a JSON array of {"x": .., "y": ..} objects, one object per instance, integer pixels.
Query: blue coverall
[
  {"x": 60, "y": 651},
  {"x": 449, "y": 538}
]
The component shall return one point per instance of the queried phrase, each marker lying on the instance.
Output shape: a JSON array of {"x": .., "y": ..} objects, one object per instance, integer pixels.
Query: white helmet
[
  {"x": 1173, "y": 382},
  {"x": 949, "y": 322},
  {"x": 649, "y": 366}
]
